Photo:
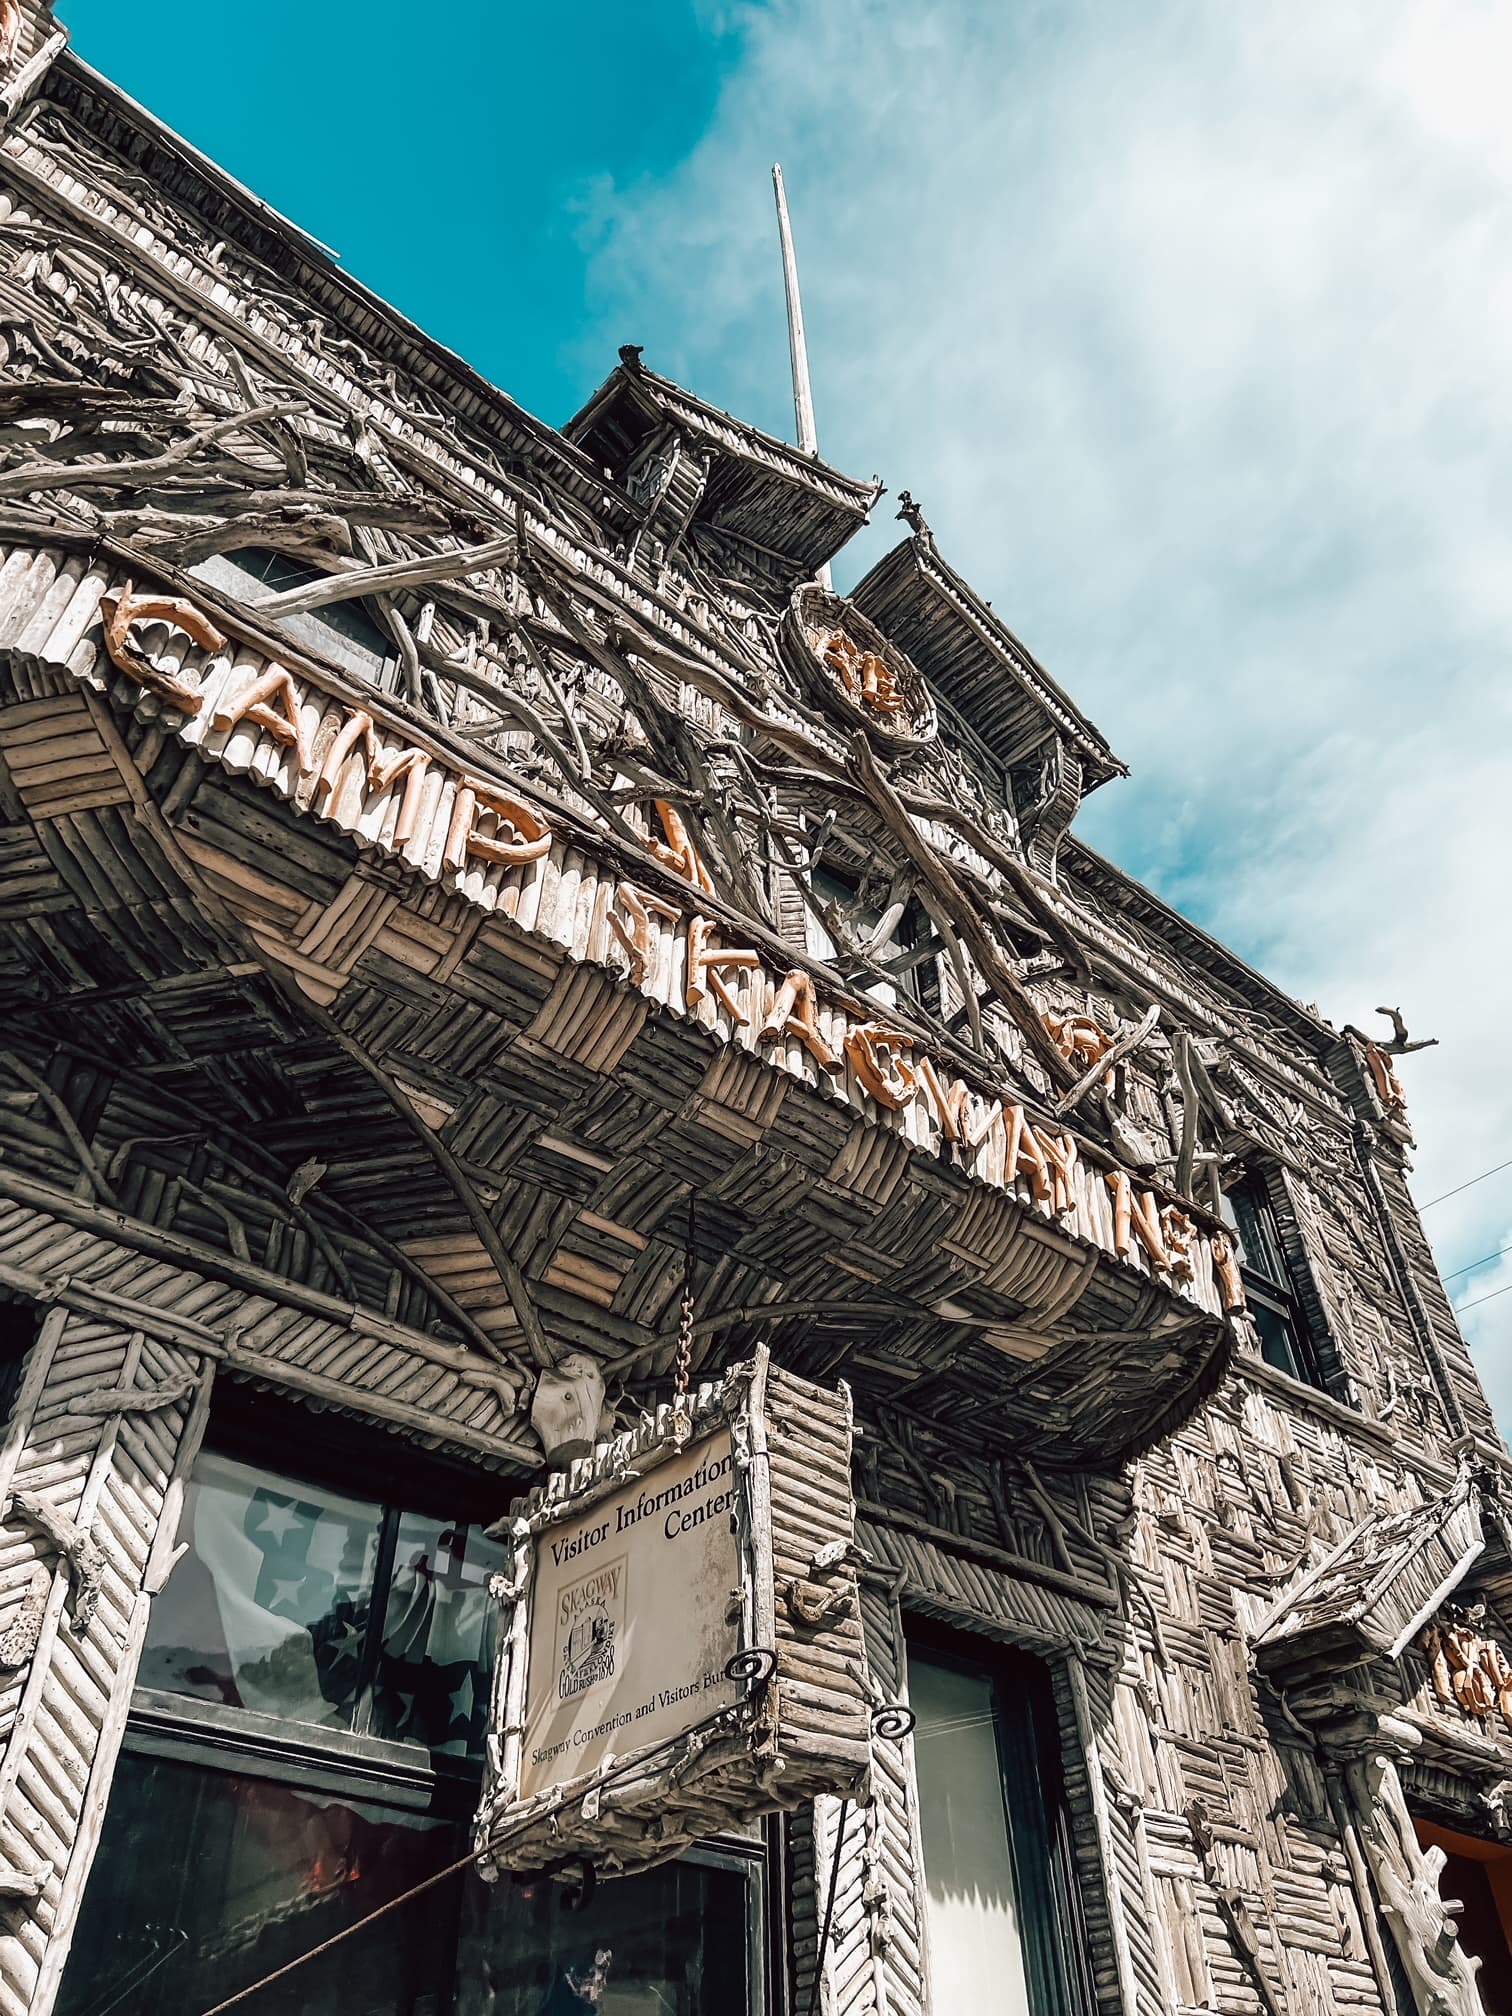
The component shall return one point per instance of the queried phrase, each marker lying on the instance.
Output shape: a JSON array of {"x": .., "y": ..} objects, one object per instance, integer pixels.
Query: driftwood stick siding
[
  {"x": 267, "y": 1331},
  {"x": 340, "y": 935},
  {"x": 63, "y": 1713}
]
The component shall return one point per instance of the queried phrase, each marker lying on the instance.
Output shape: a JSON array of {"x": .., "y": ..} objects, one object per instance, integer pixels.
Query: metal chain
[{"x": 683, "y": 1363}]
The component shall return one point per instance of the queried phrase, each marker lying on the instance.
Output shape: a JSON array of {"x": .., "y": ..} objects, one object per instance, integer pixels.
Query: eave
[
  {"x": 1375, "y": 1590},
  {"x": 1193, "y": 946},
  {"x": 974, "y": 659},
  {"x": 759, "y": 488}
]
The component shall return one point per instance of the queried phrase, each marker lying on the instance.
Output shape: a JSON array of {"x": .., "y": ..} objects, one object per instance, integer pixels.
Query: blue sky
[
  {"x": 1188, "y": 324},
  {"x": 450, "y": 170}
]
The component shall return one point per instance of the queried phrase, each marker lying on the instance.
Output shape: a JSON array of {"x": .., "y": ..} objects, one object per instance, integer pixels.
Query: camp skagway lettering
[
  {"x": 122, "y": 612},
  {"x": 487, "y": 824},
  {"x": 668, "y": 951}
]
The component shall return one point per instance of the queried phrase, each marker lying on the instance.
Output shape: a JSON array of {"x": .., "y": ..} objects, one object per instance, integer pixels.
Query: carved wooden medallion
[{"x": 851, "y": 669}]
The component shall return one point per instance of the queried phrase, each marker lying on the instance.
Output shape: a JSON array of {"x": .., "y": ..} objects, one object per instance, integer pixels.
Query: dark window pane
[
  {"x": 205, "y": 1882},
  {"x": 18, "y": 1333},
  {"x": 1270, "y": 1289},
  {"x": 1279, "y": 1344},
  {"x": 830, "y": 885},
  {"x": 269, "y": 1607},
  {"x": 1254, "y": 1227},
  {"x": 431, "y": 1686},
  {"x": 674, "y": 1941},
  {"x": 343, "y": 631}
]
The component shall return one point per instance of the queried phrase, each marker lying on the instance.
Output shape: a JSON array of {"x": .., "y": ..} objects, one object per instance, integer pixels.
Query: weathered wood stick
[
  {"x": 623, "y": 669},
  {"x": 86, "y": 1562},
  {"x": 248, "y": 1277},
  {"x": 30, "y": 477},
  {"x": 1095, "y": 1593},
  {"x": 132, "y": 1399},
  {"x": 1126, "y": 1044},
  {"x": 554, "y": 687},
  {"x": 509, "y": 1274},
  {"x": 409, "y": 655},
  {"x": 990, "y": 962},
  {"x": 1187, "y": 1150},
  {"x": 357, "y": 581},
  {"x": 514, "y": 1283},
  {"x": 1023, "y": 879},
  {"x": 54, "y": 1102}
]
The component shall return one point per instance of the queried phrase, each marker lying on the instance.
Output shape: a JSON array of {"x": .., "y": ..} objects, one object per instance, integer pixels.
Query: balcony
[{"x": 544, "y": 1069}]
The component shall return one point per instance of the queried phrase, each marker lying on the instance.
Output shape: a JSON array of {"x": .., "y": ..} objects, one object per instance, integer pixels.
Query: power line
[
  {"x": 1463, "y": 1306},
  {"x": 1468, "y": 1185},
  {"x": 1470, "y": 1265}
]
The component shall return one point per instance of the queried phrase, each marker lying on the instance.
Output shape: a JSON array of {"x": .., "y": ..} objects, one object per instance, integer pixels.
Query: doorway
[{"x": 1479, "y": 1875}]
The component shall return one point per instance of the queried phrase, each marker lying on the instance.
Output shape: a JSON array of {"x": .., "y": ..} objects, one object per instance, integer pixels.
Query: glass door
[{"x": 1005, "y": 1930}]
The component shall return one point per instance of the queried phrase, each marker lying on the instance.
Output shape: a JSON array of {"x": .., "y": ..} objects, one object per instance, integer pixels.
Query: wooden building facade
[{"x": 486, "y": 942}]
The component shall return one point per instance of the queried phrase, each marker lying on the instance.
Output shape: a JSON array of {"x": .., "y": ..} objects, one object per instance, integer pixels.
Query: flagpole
[{"x": 803, "y": 396}]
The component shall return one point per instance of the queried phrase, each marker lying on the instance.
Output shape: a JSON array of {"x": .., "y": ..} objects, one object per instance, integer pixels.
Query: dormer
[
  {"x": 755, "y": 507},
  {"x": 1052, "y": 753}
]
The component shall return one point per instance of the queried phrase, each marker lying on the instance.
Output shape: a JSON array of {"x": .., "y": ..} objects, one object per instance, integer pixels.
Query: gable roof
[{"x": 971, "y": 656}]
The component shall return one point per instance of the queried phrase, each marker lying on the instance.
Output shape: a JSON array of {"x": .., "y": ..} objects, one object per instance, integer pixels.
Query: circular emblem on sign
[
  {"x": 855, "y": 672},
  {"x": 587, "y": 1652}
]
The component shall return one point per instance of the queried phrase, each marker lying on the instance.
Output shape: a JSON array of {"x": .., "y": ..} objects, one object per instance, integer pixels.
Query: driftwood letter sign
[{"x": 680, "y": 1643}]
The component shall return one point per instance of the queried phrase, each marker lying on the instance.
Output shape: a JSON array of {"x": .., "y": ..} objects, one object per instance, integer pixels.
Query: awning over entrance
[
  {"x": 572, "y": 1065},
  {"x": 1375, "y": 1590}
]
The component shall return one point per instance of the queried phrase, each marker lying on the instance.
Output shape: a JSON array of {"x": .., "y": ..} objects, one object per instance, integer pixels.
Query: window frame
[
  {"x": 907, "y": 965},
  {"x": 343, "y": 1767},
  {"x": 336, "y": 1761},
  {"x": 20, "y": 1328},
  {"x": 296, "y": 1447},
  {"x": 334, "y": 631},
  {"x": 137, "y": 1742},
  {"x": 1280, "y": 1295},
  {"x": 1057, "y": 1950}
]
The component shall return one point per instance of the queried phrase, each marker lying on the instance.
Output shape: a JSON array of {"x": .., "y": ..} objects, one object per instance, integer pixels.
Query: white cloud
[
  {"x": 1485, "y": 1294},
  {"x": 1189, "y": 326}
]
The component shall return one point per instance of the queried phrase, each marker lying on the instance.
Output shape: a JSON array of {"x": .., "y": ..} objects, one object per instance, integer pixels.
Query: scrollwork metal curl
[
  {"x": 893, "y": 1721},
  {"x": 756, "y": 1664}
]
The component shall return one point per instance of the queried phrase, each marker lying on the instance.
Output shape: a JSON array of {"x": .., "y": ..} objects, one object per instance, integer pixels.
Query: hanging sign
[
  {"x": 636, "y": 1617},
  {"x": 680, "y": 1638}
]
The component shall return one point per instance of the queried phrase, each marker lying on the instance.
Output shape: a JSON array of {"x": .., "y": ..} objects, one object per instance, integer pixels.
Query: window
[
  {"x": 305, "y": 1746},
  {"x": 1286, "y": 1339},
  {"x": 911, "y": 952},
  {"x": 207, "y": 1880},
  {"x": 18, "y": 1333},
  {"x": 1005, "y": 1930},
  {"x": 261, "y": 1873},
  {"x": 317, "y": 1607},
  {"x": 680, "y": 1940},
  {"x": 342, "y": 631}
]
